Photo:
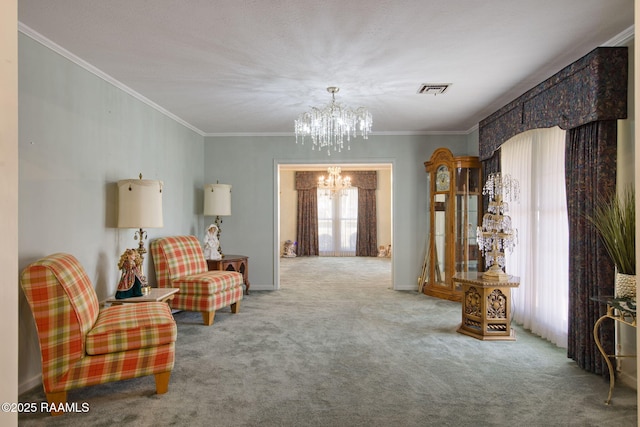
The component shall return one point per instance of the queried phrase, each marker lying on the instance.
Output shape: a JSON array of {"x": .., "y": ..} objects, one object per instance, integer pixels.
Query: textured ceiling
[{"x": 251, "y": 66}]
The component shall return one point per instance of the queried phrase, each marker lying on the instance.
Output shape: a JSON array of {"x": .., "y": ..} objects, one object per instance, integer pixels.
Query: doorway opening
[{"x": 285, "y": 227}]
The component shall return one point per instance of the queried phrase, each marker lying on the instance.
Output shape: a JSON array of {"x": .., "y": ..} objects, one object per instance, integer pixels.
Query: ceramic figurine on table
[
  {"x": 132, "y": 282},
  {"x": 211, "y": 243},
  {"x": 289, "y": 249}
]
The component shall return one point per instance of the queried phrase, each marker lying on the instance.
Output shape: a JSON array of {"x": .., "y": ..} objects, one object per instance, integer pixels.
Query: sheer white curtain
[
  {"x": 338, "y": 223},
  {"x": 536, "y": 159}
]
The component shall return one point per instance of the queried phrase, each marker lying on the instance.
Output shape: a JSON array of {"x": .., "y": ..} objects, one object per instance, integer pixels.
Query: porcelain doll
[
  {"x": 132, "y": 281},
  {"x": 211, "y": 243},
  {"x": 289, "y": 249}
]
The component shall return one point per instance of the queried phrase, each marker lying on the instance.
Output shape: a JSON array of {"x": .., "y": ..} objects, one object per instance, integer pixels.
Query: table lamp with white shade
[
  {"x": 140, "y": 206},
  {"x": 217, "y": 202}
]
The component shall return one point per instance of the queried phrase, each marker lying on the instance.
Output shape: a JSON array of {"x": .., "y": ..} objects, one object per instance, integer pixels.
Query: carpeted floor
[{"x": 336, "y": 346}]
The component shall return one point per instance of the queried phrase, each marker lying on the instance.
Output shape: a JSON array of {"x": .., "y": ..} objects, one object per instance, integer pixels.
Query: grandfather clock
[{"x": 455, "y": 198}]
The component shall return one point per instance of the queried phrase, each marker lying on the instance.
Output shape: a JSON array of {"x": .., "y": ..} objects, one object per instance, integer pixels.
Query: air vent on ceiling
[{"x": 433, "y": 89}]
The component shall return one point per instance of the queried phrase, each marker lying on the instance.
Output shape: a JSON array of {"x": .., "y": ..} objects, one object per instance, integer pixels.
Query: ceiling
[{"x": 249, "y": 67}]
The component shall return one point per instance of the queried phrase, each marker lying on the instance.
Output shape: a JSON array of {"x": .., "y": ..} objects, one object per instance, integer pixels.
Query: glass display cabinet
[{"x": 455, "y": 199}]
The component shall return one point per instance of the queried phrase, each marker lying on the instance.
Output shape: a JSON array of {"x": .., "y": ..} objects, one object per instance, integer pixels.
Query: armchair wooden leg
[
  {"x": 162, "y": 382},
  {"x": 235, "y": 307},
  {"x": 55, "y": 399},
  {"x": 207, "y": 317}
]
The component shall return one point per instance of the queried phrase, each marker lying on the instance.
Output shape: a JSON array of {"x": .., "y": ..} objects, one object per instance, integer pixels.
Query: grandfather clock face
[{"x": 442, "y": 178}]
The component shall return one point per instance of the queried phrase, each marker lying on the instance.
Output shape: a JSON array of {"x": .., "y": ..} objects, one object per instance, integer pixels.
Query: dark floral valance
[
  {"x": 592, "y": 88},
  {"x": 365, "y": 180}
]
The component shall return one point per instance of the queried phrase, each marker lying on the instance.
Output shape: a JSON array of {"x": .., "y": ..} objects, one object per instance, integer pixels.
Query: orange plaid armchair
[
  {"x": 83, "y": 345},
  {"x": 180, "y": 263}
]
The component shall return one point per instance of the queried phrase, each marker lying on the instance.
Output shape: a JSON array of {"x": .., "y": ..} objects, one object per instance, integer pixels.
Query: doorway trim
[{"x": 279, "y": 164}]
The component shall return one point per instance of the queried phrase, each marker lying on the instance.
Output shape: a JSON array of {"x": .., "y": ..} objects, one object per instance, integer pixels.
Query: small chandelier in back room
[
  {"x": 330, "y": 125},
  {"x": 334, "y": 184}
]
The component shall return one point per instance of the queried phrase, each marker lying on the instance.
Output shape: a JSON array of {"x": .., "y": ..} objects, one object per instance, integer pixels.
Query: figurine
[
  {"x": 289, "y": 249},
  {"x": 132, "y": 281},
  {"x": 384, "y": 252},
  {"x": 211, "y": 243}
]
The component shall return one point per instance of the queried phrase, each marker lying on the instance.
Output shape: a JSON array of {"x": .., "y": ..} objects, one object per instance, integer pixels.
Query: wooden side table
[
  {"x": 486, "y": 307},
  {"x": 239, "y": 263},
  {"x": 155, "y": 294}
]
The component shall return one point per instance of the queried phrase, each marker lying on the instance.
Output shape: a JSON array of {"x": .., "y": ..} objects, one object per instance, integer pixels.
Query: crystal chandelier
[
  {"x": 330, "y": 125},
  {"x": 335, "y": 184},
  {"x": 497, "y": 234}
]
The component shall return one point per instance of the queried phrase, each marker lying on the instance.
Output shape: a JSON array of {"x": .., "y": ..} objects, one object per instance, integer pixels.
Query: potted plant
[{"x": 615, "y": 220}]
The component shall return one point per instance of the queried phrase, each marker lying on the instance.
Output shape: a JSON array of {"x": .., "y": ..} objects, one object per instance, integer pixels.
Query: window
[
  {"x": 541, "y": 256},
  {"x": 338, "y": 223}
]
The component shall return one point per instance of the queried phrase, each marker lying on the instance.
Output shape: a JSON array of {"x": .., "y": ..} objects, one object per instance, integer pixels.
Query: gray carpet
[{"x": 340, "y": 348}]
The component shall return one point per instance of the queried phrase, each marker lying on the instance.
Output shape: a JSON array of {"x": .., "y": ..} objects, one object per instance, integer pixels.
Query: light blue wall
[
  {"x": 79, "y": 135},
  {"x": 249, "y": 164},
  {"x": 473, "y": 142}
]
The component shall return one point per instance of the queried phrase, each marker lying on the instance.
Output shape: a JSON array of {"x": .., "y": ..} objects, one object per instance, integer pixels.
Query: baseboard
[
  {"x": 259, "y": 287},
  {"x": 628, "y": 380},
  {"x": 29, "y": 384}
]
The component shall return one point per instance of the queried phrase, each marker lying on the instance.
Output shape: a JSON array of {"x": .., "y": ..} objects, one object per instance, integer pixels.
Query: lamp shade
[
  {"x": 217, "y": 199},
  {"x": 139, "y": 203}
]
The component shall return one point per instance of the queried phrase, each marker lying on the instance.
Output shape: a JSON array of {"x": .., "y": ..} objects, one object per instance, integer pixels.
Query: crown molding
[
  {"x": 29, "y": 32},
  {"x": 621, "y": 39},
  {"x": 246, "y": 134},
  {"x": 292, "y": 134}
]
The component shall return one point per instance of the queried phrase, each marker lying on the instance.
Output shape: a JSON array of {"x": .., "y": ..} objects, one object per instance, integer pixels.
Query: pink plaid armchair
[
  {"x": 180, "y": 263},
  {"x": 83, "y": 345}
]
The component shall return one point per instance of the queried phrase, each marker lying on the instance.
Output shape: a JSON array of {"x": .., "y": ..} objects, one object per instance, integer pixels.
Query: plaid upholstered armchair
[
  {"x": 83, "y": 345},
  {"x": 180, "y": 263}
]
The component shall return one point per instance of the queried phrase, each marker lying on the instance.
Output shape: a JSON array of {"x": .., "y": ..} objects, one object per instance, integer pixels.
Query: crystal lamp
[{"x": 497, "y": 233}]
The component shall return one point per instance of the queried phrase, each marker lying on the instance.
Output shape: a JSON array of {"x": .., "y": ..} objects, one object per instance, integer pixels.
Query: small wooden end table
[
  {"x": 239, "y": 263},
  {"x": 155, "y": 294},
  {"x": 486, "y": 307}
]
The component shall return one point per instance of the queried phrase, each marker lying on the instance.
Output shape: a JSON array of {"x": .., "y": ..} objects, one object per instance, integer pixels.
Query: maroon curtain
[
  {"x": 590, "y": 168},
  {"x": 367, "y": 236},
  {"x": 308, "y": 222},
  {"x": 366, "y": 239},
  {"x": 306, "y": 183}
]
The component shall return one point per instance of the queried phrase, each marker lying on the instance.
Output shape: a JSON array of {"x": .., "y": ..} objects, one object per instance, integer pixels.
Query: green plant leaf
[{"x": 615, "y": 219}]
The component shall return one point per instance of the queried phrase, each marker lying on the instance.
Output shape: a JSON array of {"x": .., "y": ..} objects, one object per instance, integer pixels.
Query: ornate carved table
[{"x": 486, "y": 307}]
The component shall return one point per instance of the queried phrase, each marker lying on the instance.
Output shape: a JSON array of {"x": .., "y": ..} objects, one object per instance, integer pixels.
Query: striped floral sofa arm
[
  {"x": 179, "y": 263},
  {"x": 83, "y": 345}
]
